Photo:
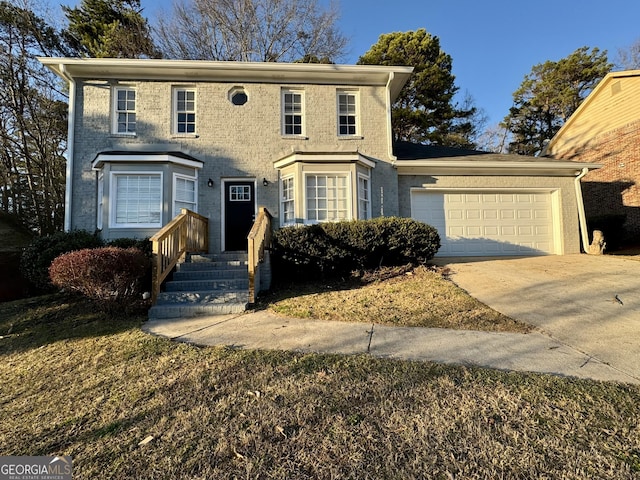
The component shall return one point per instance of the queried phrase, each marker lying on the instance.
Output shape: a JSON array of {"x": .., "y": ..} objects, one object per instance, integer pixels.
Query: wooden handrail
[
  {"x": 187, "y": 232},
  {"x": 259, "y": 240}
]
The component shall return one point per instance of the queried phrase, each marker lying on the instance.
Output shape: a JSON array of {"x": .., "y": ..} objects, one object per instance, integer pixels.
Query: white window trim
[
  {"x": 303, "y": 129},
  {"x": 283, "y": 222},
  {"x": 356, "y": 94},
  {"x": 115, "y": 111},
  {"x": 100, "y": 206},
  {"x": 349, "y": 198},
  {"x": 367, "y": 215},
  {"x": 193, "y": 179},
  {"x": 112, "y": 200},
  {"x": 174, "y": 110}
]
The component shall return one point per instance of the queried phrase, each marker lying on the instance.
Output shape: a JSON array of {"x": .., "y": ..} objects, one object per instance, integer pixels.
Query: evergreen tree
[
  {"x": 549, "y": 95},
  {"x": 424, "y": 111},
  {"x": 110, "y": 28}
]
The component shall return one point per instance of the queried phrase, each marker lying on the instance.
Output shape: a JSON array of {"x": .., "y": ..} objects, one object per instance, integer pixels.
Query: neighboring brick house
[
  {"x": 605, "y": 129},
  {"x": 309, "y": 142}
]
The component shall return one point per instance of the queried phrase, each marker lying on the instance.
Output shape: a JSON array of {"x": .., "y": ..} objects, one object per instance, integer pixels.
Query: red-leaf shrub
[{"x": 109, "y": 275}]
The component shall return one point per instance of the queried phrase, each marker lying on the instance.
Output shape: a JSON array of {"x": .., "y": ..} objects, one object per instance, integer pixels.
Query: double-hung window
[
  {"x": 136, "y": 200},
  {"x": 184, "y": 194},
  {"x": 364, "y": 198},
  {"x": 124, "y": 110},
  {"x": 327, "y": 197},
  {"x": 292, "y": 112},
  {"x": 347, "y": 113},
  {"x": 184, "y": 110},
  {"x": 287, "y": 204}
]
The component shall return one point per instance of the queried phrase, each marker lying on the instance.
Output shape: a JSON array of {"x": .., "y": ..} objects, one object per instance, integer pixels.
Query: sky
[{"x": 493, "y": 43}]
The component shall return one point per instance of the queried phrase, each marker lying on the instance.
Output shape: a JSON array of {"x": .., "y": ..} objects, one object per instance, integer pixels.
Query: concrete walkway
[{"x": 584, "y": 331}]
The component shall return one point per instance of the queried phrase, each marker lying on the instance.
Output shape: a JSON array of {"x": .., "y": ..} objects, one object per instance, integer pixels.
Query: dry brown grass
[
  {"x": 421, "y": 297},
  {"x": 80, "y": 383}
]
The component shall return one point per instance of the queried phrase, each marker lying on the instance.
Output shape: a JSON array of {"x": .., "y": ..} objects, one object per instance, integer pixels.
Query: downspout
[
  {"x": 582, "y": 218},
  {"x": 70, "y": 147},
  {"x": 392, "y": 75}
]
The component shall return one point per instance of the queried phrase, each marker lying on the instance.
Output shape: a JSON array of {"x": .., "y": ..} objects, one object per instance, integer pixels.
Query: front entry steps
[{"x": 205, "y": 285}]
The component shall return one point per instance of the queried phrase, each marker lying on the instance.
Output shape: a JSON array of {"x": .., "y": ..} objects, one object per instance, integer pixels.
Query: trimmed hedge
[
  {"x": 37, "y": 257},
  {"x": 335, "y": 249},
  {"x": 109, "y": 275}
]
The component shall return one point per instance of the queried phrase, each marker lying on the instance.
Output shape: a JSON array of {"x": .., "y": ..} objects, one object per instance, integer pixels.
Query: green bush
[
  {"x": 142, "y": 244},
  {"x": 334, "y": 249},
  {"x": 38, "y": 255},
  {"x": 111, "y": 276}
]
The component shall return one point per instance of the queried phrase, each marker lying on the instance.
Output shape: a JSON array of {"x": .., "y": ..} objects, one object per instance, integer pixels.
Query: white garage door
[{"x": 472, "y": 223}]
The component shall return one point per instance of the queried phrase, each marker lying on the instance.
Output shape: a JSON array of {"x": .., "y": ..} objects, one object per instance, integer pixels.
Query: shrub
[
  {"x": 38, "y": 255},
  {"x": 142, "y": 244},
  {"x": 109, "y": 275},
  {"x": 333, "y": 249}
]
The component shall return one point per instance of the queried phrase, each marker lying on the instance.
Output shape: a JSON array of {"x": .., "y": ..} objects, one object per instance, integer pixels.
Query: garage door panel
[{"x": 489, "y": 223}]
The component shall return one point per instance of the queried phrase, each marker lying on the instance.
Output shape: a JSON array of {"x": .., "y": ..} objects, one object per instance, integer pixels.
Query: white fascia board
[
  {"x": 330, "y": 157},
  {"x": 199, "y": 70},
  {"x": 135, "y": 157},
  {"x": 470, "y": 167}
]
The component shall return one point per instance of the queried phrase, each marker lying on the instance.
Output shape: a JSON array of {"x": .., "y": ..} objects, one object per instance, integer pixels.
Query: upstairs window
[
  {"x": 347, "y": 113},
  {"x": 292, "y": 112},
  {"x": 124, "y": 115},
  {"x": 184, "y": 106}
]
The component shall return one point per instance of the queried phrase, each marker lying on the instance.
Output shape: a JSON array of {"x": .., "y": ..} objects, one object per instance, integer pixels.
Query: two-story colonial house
[{"x": 309, "y": 142}]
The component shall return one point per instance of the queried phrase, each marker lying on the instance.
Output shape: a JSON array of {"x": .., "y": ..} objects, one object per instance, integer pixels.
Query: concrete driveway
[{"x": 591, "y": 303}]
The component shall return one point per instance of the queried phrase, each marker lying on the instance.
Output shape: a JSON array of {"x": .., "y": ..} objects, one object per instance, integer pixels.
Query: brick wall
[{"x": 614, "y": 188}]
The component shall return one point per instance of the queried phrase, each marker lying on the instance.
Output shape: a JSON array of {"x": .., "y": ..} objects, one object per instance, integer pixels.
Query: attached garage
[
  {"x": 489, "y": 204},
  {"x": 490, "y": 222}
]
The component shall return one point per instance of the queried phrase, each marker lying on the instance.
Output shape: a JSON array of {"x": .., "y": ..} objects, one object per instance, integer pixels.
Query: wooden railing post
[
  {"x": 258, "y": 240},
  {"x": 188, "y": 231}
]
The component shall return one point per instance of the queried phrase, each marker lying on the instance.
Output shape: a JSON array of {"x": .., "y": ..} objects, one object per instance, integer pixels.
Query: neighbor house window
[
  {"x": 292, "y": 112},
  {"x": 327, "y": 198},
  {"x": 124, "y": 115},
  {"x": 364, "y": 198},
  {"x": 287, "y": 205},
  {"x": 184, "y": 194},
  {"x": 184, "y": 106},
  {"x": 136, "y": 200},
  {"x": 347, "y": 113}
]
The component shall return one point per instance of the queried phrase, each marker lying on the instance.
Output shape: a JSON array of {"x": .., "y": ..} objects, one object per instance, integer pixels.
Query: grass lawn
[{"x": 126, "y": 405}]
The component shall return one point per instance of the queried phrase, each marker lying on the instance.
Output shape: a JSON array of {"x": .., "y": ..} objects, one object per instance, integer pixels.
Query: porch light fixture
[
  {"x": 210, "y": 183},
  {"x": 265, "y": 182}
]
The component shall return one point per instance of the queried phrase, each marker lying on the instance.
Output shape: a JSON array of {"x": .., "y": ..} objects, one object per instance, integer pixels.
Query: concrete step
[
  {"x": 202, "y": 297},
  {"x": 189, "y": 311},
  {"x": 207, "y": 284},
  {"x": 211, "y": 274},
  {"x": 213, "y": 265}
]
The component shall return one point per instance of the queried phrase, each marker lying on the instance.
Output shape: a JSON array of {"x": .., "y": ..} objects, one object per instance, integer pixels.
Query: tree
[
  {"x": 549, "y": 95},
  {"x": 251, "y": 30},
  {"x": 424, "y": 111},
  {"x": 33, "y": 121},
  {"x": 110, "y": 28},
  {"x": 629, "y": 58}
]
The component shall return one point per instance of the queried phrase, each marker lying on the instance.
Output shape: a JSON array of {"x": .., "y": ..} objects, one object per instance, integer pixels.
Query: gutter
[
  {"x": 582, "y": 218},
  {"x": 392, "y": 157},
  {"x": 70, "y": 147}
]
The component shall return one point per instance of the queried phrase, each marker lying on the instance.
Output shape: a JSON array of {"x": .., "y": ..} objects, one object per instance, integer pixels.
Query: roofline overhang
[
  {"x": 475, "y": 167},
  {"x": 143, "y": 157},
  {"x": 249, "y": 72},
  {"x": 324, "y": 157}
]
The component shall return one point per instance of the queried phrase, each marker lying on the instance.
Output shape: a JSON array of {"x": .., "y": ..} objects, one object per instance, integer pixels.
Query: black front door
[{"x": 239, "y": 208}]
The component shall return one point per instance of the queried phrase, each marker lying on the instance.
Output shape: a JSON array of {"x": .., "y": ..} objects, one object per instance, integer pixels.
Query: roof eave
[{"x": 470, "y": 167}]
